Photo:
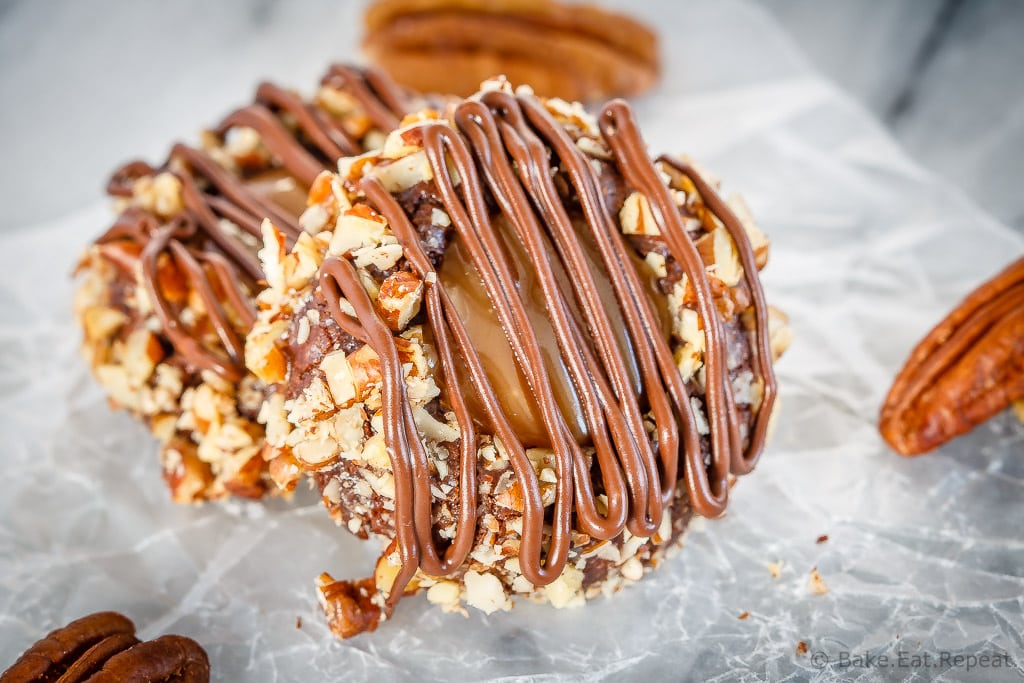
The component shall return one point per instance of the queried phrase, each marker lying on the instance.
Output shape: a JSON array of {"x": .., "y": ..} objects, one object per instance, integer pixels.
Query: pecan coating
[{"x": 970, "y": 367}]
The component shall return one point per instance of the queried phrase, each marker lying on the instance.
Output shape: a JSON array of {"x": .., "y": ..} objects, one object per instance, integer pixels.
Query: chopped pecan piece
[
  {"x": 965, "y": 371},
  {"x": 348, "y": 605}
]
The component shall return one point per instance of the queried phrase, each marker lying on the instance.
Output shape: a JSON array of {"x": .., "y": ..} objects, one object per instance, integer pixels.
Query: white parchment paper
[{"x": 924, "y": 556}]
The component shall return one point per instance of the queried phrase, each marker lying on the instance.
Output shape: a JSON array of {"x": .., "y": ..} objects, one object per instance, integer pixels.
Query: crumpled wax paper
[{"x": 923, "y": 556}]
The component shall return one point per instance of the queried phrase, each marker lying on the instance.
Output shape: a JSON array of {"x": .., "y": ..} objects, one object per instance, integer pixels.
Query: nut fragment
[
  {"x": 186, "y": 475},
  {"x": 401, "y": 174},
  {"x": 340, "y": 379},
  {"x": 780, "y": 335},
  {"x": 970, "y": 367},
  {"x": 399, "y": 299},
  {"x": 262, "y": 356},
  {"x": 485, "y": 592},
  {"x": 102, "y": 321},
  {"x": 356, "y": 228},
  {"x": 445, "y": 594},
  {"x": 348, "y": 605},
  {"x": 387, "y": 569},
  {"x": 718, "y": 251},
  {"x": 636, "y": 217},
  {"x": 566, "y": 590},
  {"x": 817, "y": 584}
]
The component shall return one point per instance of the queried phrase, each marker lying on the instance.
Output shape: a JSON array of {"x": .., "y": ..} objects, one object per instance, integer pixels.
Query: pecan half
[
  {"x": 970, "y": 367},
  {"x": 450, "y": 46},
  {"x": 102, "y": 648},
  {"x": 55, "y": 654},
  {"x": 168, "y": 658}
]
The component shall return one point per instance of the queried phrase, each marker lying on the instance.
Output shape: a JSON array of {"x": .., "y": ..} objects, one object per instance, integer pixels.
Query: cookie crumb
[
  {"x": 817, "y": 584},
  {"x": 775, "y": 569},
  {"x": 822, "y": 539},
  {"x": 801, "y": 648},
  {"x": 298, "y": 622},
  {"x": 744, "y": 615}
]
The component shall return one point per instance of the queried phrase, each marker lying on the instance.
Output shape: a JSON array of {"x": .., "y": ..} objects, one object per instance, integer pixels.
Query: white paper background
[{"x": 924, "y": 555}]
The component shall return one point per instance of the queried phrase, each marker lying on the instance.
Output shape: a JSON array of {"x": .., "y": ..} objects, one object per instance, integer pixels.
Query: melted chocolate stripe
[
  {"x": 412, "y": 477},
  {"x": 314, "y": 127},
  {"x": 386, "y": 90},
  {"x": 621, "y": 408},
  {"x": 445, "y": 325},
  {"x": 122, "y": 180},
  {"x": 384, "y": 107},
  {"x": 743, "y": 462},
  {"x": 226, "y": 276},
  {"x": 183, "y": 340},
  {"x": 438, "y": 313},
  {"x": 233, "y": 343},
  {"x": 348, "y": 144},
  {"x": 470, "y": 217},
  {"x": 232, "y": 188},
  {"x": 637, "y": 309},
  {"x": 251, "y": 223},
  {"x": 338, "y": 274},
  {"x": 134, "y": 224},
  {"x": 620, "y": 131},
  {"x": 617, "y": 453},
  {"x": 201, "y": 214},
  {"x": 443, "y": 319},
  {"x": 278, "y": 139}
]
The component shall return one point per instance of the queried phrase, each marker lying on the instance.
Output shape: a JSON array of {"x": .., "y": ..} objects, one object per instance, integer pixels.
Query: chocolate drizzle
[
  {"x": 219, "y": 266},
  {"x": 382, "y": 101},
  {"x": 311, "y": 121},
  {"x": 492, "y": 173}
]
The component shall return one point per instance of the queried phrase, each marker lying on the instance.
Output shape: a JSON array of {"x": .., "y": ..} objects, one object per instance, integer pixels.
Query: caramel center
[{"x": 466, "y": 289}]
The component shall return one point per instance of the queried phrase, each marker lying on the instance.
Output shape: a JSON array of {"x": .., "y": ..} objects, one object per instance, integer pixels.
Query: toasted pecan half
[
  {"x": 167, "y": 658},
  {"x": 52, "y": 656},
  {"x": 574, "y": 51},
  {"x": 102, "y": 648},
  {"x": 970, "y": 367}
]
